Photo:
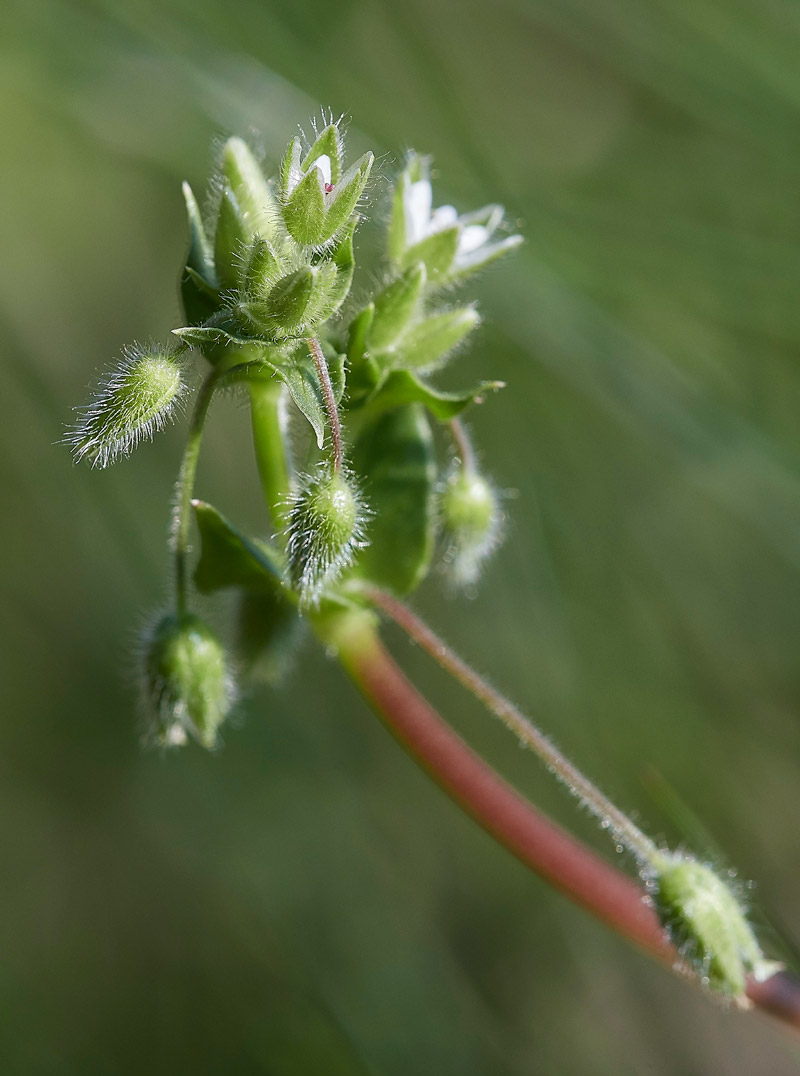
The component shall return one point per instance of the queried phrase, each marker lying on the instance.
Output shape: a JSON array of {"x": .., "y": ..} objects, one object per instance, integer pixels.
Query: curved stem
[
  {"x": 533, "y": 838},
  {"x": 610, "y": 816},
  {"x": 315, "y": 348},
  {"x": 183, "y": 498}
]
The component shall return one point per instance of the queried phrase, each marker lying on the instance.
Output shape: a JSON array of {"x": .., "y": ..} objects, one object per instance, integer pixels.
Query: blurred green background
[{"x": 306, "y": 901}]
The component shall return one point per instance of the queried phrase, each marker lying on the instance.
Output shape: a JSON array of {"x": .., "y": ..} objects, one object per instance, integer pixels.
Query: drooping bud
[
  {"x": 318, "y": 200},
  {"x": 188, "y": 690},
  {"x": 706, "y": 923},
  {"x": 137, "y": 398},
  {"x": 325, "y": 530},
  {"x": 471, "y": 520}
]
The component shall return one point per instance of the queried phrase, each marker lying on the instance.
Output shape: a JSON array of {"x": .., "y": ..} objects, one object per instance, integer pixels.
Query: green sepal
[
  {"x": 428, "y": 342},
  {"x": 396, "y": 307},
  {"x": 363, "y": 372},
  {"x": 437, "y": 251},
  {"x": 400, "y": 387},
  {"x": 229, "y": 559},
  {"x": 263, "y": 266},
  {"x": 343, "y": 257},
  {"x": 245, "y": 178},
  {"x": 289, "y": 300},
  {"x": 230, "y": 239},
  {"x": 395, "y": 457},
  {"x": 328, "y": 142},
  {"x": 346, "y": 195},
  {"x": 304, "y": 210}
]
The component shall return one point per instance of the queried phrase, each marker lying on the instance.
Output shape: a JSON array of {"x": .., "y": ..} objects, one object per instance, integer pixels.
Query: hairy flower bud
[
  {"x": 318, "y": 200},
  {"x": 471, "y": 519},
  {"x": 706, "y": 923},
  {"x": 137, "y": 398},
  {"x": 188, "y": 689},
  {"x": 326, "y": 528}
]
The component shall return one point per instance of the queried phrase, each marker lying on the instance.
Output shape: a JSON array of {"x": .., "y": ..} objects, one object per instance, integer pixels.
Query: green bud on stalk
[
  {"x": 188, "y": 688},
  {"x": 471, "y": 519},
  {"x": 325, "y": 530},
  {"x": 137, "y": 398},
  {"x": 706, "y": 923}
]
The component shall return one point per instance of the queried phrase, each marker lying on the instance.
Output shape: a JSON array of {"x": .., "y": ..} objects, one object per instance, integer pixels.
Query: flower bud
[
  {"x": 706, "y": 922},
  {"x": 326, "y": 528},
  {"x": 188, "y": 689},
  {"x": 295, "y": 304},
  {"x": 253, "y": 192},
  {"x": 135, "y": 399},
  {"x": 471, "y": 519},
  {"x": 317, "y": 199}
]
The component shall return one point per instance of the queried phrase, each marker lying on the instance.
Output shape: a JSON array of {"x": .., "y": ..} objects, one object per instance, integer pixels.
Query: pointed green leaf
[
  {"x": 395, "y": 458},
  {"x": 428, "y": 342},
  {"x": 200, "y": 257},
  {"x": 403, "y": 387},
  {"x": 267, "y": 632},
  {"x": 395, "y": 307},
  {"x": 230, "y": 239},
  {"x": 257, "y": 203},
  {"x": 229, "y": 559}
]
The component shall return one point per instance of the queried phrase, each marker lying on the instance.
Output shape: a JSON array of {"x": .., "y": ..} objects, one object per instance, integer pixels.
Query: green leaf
[
  {"x": 363, "y": 372},
  {"x": 395, "y": 457},
  {"x": 253, "y": 193},
  {"x": 395, "y": 307},
  {"x": 200, "y": 257},
  {"x": 231, "y": 237},
  {"x": 229, "y": 559},
  {"x": 346, "y": 195},
  {"x": 428, "y": 342},
  {"x": 267, "y": 632},
  {"x": 404, "y": 387}
]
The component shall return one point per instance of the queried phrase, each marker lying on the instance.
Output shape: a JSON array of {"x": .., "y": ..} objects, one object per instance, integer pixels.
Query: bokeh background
[{"x": 305, "y": 901}]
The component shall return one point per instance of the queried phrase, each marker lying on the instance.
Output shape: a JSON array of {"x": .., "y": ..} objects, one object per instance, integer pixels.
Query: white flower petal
[
  {"x": 324, "y": 165},
  {"x": 417, "y": 202},
  {"x": 472, "y": 237},
  {"x": 443, "y": 217}
]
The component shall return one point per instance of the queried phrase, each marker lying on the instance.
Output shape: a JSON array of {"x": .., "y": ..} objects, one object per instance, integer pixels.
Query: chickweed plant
[{"x": 393, "y": 487}]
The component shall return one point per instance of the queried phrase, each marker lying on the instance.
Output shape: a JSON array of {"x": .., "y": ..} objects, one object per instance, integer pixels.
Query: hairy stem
[
  {"x": 315, "y": 348},
  {"x": 185, "y": 487},
  {"x": 270, "y": 447},
  {"x": 534, "y": 839},
  {"x": 580, "y": 786},
  {"x": 463, "y": 445}
]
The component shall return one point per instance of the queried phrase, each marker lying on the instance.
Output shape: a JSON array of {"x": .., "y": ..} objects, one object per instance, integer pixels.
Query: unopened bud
[
  {"x": 706, "y": 923},
  {"x": 471, "y": 519},
  {"x": 326, "y": 528},
  {"x": 137, "y": 398},
  {"x": 188, "y": 689}
]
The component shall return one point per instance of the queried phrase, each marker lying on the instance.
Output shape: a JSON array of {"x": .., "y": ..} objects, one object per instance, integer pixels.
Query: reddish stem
[{"x": 534, "y": 839}]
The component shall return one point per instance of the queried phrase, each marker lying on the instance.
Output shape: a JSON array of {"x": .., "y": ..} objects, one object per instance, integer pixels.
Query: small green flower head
[
  {"x": 471, "y": 519},
  {"x": 451, "y": 246},
  {"x": 327, "y": 517},
  {"x": 318, "y": 198},
  {"x": 137, "y": 398},
  {"x": 188, "y": 688},
  {"x": 706, "y": 923}
]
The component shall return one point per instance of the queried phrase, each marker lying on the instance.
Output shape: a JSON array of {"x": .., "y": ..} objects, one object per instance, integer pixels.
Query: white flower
[{"x": 474, "y": 245}]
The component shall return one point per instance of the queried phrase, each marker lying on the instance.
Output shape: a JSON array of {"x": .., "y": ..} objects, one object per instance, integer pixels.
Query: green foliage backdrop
[{"x": 305, "y": 902}]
